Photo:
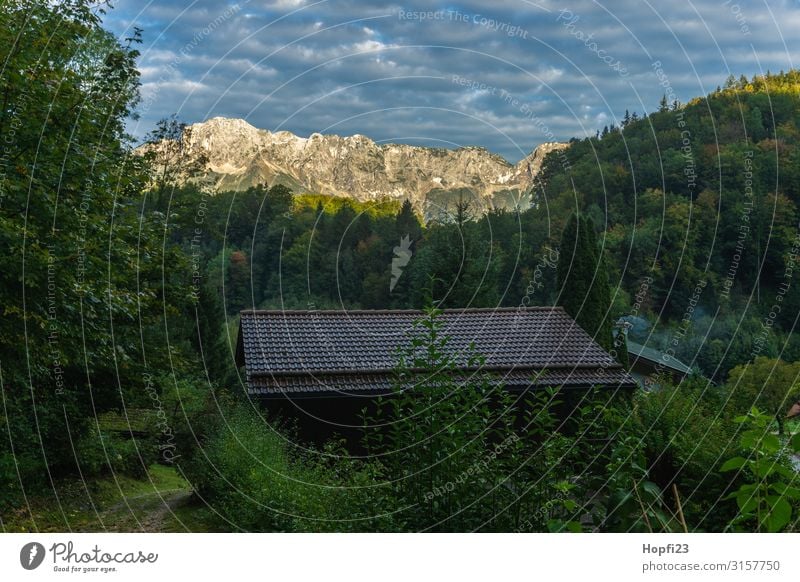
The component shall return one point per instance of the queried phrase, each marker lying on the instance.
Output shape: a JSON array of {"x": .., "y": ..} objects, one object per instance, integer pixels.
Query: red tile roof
[{"x": 354, "y": 352}]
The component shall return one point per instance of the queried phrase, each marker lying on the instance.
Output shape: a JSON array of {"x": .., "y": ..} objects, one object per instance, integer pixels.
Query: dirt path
[{"x": 145, "y": 513}]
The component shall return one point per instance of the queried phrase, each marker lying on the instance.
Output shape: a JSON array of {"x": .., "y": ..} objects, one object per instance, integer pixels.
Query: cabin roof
[
  {"x": 355, "y": 352},
  {"x": 656, "y": 357}
]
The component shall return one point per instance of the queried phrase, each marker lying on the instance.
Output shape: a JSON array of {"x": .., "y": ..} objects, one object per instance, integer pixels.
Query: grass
[{"x": 160, "y": 502}]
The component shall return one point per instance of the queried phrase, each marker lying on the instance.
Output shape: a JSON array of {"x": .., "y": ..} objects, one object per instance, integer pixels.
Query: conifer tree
[
  {"x": 584, "y": 292},
  {"x": 621, "y": 347}
]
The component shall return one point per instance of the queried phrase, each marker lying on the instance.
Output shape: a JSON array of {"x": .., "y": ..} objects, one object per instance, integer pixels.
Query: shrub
[
  {"x": 455, "y": 458},
  {"x": 767, "y": 384},
  {"x": 771, "y": 491},
  {"x": 257, "y": 480},
  {"x": 101, "y": 453},
  {"x": 685, "y": 436},
  {"x": 132, "y": 457}
]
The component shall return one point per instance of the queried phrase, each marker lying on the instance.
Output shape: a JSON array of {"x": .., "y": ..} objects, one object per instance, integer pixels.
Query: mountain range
[{"x": 237, "y": 155}]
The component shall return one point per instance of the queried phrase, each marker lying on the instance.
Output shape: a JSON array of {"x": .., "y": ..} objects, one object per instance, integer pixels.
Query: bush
[
  {"x": 768, "y": 498},
  {"x": 132, "y": 457},
  {"x": 685, "y": 438},
  {"x": 455, "y": 458},
  {"x": 100, "y": 454},
  {"x": 189, "y": 413},
  {"x": 768, "y": 384},
  {"x": 257, "y": 480}
]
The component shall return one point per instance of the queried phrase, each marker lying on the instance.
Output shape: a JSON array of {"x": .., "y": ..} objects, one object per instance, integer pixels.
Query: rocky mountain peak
[{"x": 240, "y": 155}]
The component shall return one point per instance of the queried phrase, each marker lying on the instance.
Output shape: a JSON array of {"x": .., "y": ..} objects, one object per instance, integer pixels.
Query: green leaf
[
  {"x": 764, "y": 469},
  {"x": 779, "y": 516},
  {"x": 790, "y": 474},
  {"x": 747, "y": 503},
  {"x": 620, "y": 501},
  {"x": 734, "y": 463},
  {"x": 750, "y": 439},
  {"x": 770, "y": 443},
  {"x": 652, "y": 490},
  {"x": 786, "y": 490},
  {"x": 794, "y": 443}
]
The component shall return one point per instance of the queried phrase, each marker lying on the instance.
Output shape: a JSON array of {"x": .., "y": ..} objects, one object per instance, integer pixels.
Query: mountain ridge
[{"x": 239, "y": 155}]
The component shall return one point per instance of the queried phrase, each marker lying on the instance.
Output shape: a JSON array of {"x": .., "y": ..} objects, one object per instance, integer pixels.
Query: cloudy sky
[{"x": 505, "y": 74}]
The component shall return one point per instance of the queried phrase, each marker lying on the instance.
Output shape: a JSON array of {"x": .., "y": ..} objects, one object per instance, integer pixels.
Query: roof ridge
[
  {"x": 384, "y": 371},
  {"x": 553, "y": 308}
]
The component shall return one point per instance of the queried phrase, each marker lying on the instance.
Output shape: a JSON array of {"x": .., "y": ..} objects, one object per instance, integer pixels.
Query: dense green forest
[
  {"x": 694, "y": 205},
  {"x": 698, "y": 204},
  {"x": 121, "y": 286}
]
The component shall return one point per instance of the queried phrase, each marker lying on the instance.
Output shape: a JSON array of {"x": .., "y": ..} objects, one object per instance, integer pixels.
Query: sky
[{"x": 506, "y": 75}]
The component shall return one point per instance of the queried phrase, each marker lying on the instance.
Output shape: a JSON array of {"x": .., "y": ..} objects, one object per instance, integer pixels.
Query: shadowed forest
[{"x": 122, "y": 283}]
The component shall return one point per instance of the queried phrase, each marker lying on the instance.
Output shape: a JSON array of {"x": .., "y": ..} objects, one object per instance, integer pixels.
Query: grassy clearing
[{"x": 161, "y": 502}]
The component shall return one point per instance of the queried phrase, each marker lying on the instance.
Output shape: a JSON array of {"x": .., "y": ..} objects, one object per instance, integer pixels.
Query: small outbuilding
[
  {"x": 323, "y": 367},
  {"x": 647, "y": 364}
]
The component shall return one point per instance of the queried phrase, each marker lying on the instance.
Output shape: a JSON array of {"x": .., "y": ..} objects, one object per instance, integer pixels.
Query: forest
[{"x": 122, "y": 283}]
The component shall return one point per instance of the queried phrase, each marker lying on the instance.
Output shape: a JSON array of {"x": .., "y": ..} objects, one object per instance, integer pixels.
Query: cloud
[{"x": 387, "y": 70}]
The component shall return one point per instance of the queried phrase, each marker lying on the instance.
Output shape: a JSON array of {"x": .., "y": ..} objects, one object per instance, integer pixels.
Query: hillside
[{"x": 699, "y": 204}]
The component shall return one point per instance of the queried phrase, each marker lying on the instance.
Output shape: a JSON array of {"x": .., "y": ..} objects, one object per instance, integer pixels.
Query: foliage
[
  {"x": 121, "y": 283},
  {"x": 455, "y": 460},
  {"x": 685, "y": 436},
  {"x": 771, "y": 385},
  {"x": 438, "y": 429},
  {"x": 767, "y": 500},
  {"x": 693, "y": 204},
  {"x": 333, "y": 204},
  {"x": 548, "y": 493},
  {"x": 634, "y": 503},
  {"x": 168, "y": 158},
  {"x": 85, "y": 299},
  {"x": 583, "y": 281},
  {"x": 257, "y": 479}
]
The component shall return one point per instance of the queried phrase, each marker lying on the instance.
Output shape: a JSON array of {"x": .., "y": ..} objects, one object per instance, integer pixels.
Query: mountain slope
[{"x": 240, "y": 155}]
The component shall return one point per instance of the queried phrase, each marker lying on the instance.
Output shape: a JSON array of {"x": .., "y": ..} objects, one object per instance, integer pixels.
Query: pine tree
[
  {"x": 571, "y": 284},
  {"x": 621, "y": 347},
  {"x": 599, "y": 297},
  {"x": 584, "y": 292},
  {"x": 238, "y": 278},
  {"x": 408, "y": 223}
]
